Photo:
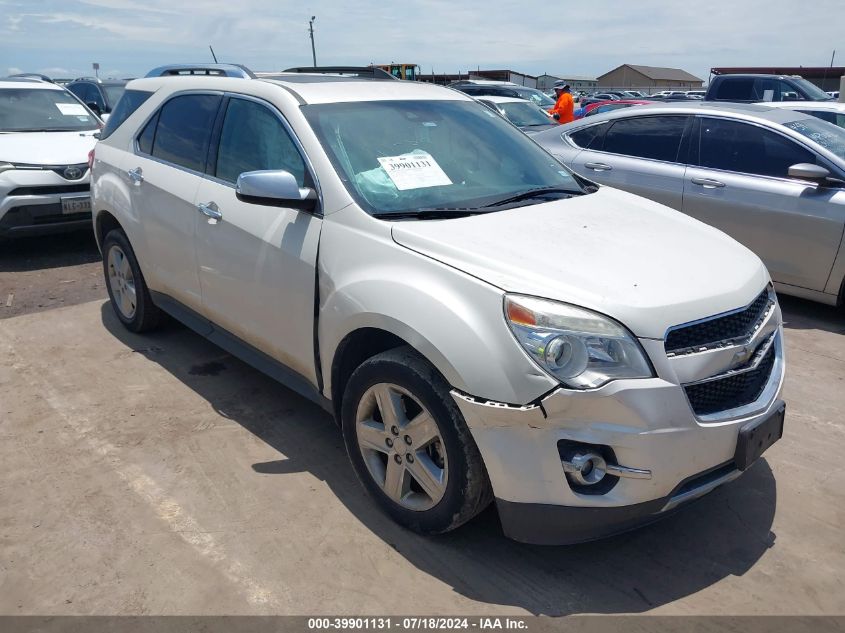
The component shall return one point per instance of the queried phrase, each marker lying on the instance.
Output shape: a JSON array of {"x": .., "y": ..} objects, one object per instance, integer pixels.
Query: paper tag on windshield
[
  {"x": 414, "y": 171},
  {"x": 71, "y": 109}
]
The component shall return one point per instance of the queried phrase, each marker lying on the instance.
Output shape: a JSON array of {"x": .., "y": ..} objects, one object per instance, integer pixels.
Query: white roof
[
  {"x": 28, "y": 83},
  {"x": 311, "y": 89},
  {"x": 820, "y": 106}
]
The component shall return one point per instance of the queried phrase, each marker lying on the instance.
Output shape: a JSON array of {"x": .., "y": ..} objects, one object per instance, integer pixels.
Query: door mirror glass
[
  {"x": 808, "y": 171},
  {"x": 276, "y": 188}
]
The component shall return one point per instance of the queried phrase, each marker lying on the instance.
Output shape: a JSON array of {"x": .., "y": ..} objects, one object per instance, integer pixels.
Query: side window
[
  {"x": 589, "y": 137},
  {"x": 254, "y": 139},
  {"x": 656, "y": 137},
  {"x": 746, "y": 148},
  {"x": 147, "y": 136},
  {"x": 80, "y": 90},
  {"x": 735, "y": 89},
  {"x": 96, "y": 96},
  {"x": 184, "y": 130},
  {"x": 131, "y": 101}
]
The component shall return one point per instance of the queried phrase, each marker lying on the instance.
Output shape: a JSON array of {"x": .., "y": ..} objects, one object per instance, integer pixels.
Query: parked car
[
  {"x": 637, "y": 94},
  {"x": 378, "y": 256},
  {"x": 754, "y": 88},
  {"x": 100, "y": 95},
  {"x": 830, "y": 111},
  {"x": 597, "y": 98},
  {"x": 45, "y": 137},
  {"x": 772, "y": 178},
  {"x": 696, "y": 93},
  {"x": 621, "y": 94},
  {"x": 834, "y": 94},
  {"x": 526, "y": 115},
  {"x": 609, "y": 106},
  {"x": 505, "y": 89}
]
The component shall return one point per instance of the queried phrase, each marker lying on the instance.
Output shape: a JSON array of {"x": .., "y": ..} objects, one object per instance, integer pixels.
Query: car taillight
[{"x": 90, "y": 159}]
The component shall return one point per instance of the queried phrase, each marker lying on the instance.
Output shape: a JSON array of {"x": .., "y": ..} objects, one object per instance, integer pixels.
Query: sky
[{"x": 127, "y": 38}]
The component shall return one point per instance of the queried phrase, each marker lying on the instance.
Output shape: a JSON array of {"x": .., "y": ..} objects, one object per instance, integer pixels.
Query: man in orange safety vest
[{"x": 564, "y": 109}]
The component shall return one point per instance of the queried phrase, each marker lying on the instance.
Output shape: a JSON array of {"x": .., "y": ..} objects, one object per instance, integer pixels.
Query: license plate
[
  {"x": 757, "y": 437},
  {"x": 76, "y": 205}
]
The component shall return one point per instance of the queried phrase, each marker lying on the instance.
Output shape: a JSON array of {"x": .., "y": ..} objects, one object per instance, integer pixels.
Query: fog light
[{"x": 585, "y": 469}]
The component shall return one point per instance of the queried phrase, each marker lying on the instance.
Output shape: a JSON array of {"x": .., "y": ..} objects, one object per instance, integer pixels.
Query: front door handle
[
  {"x": 136, "y": 175},
  {"x": 598, "y": 166},
  {"x": 210, "y": 210},
  {"x": 708, "y": 183}
]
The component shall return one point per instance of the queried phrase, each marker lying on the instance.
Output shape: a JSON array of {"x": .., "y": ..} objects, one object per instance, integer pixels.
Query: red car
[{"x": 608, "y": 106}]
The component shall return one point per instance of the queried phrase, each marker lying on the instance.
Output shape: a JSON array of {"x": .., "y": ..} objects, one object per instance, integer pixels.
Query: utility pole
[{"x": 311, "y": 31}]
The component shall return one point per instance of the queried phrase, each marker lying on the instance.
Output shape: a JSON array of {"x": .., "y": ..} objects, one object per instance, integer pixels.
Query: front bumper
[
  {"x": 647, "y": 424},
  {"x": 31, "y": 203}
]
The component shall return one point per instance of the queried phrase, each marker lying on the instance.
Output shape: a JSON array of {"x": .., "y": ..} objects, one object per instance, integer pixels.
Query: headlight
[{"x": 580, "y": 348}]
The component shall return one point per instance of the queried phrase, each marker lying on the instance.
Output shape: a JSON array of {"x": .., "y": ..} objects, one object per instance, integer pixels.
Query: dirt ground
[
  {"x": 156, "y": 474},
  {"x": 41, "y": 273}
]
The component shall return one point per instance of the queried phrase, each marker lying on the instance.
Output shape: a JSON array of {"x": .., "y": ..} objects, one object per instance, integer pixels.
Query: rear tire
[
  {"x": 128, "y": 292},
  {"x": 409, "y": 444}
]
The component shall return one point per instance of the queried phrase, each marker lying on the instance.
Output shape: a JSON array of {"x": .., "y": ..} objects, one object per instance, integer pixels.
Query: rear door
[
  {"x": 739, "y": 184},
  {"x": 639, "y": 154},
  {"x": 257, "y": 263},
  {"x": 165, "y": 173}
]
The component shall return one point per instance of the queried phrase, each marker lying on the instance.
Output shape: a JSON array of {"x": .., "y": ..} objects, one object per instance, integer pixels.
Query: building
[
  {"x": 491, "y": 75},
  {"x": 825, "y": 77},
  {"x": 576, "y": 82},
  {"x": 648, "y": 77}
]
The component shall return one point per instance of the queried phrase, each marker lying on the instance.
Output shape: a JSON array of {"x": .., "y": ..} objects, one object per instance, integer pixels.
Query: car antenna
[{"x": 212, "y": 53}]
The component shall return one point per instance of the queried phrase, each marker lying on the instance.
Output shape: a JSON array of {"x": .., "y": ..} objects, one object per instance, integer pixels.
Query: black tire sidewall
[
  {"x": 437, "y": 400},
  {"x": 145, "y": 312}
]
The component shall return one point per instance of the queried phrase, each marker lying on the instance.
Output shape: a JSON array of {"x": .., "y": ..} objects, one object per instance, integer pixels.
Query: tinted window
[
  {"x": 745, "y": 148},
  {"x": 824, "y": 115},
  {"x": 588, "y": 136},
  {"x": 129, "y": 102},
  {"x": 254, "y": 139},
  {"x": 184, "y": 130},
  {"x": 80, "y": 90},
  {"x": 147, "y": 136},
  {"x": 736, "y": 89},
  {"x": 656, "y": 137}
]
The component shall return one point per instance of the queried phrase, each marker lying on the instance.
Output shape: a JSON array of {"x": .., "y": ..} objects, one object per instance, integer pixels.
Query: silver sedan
[{"x": 773, "y": 179}]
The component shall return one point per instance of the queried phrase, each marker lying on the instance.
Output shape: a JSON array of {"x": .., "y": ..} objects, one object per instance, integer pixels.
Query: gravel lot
[{"x": 158, "y": 475}]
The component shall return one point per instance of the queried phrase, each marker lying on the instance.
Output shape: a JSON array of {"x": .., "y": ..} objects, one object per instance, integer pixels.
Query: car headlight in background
[{"x": 582, "y": 349}]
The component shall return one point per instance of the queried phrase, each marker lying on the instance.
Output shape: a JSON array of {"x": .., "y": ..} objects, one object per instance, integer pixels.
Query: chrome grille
[
  {"x": 736, "y": 325},
  {"x": 732, "y": 391}
]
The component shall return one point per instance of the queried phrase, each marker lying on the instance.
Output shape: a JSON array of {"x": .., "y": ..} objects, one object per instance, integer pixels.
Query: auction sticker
[
  {"x": 71, "y": 109},
  {"x": 414, "y": 171}
]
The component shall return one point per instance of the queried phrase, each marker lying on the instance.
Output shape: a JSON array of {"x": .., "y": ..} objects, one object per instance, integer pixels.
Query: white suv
[
  {"x": 46, "y": 135},
  {"x": 481, "y": 322}
]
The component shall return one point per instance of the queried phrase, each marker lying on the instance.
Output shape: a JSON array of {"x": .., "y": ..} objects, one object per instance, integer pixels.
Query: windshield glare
[
  {"x": 813, "y": 91},
  {"x": 404, "y": 156},
  {"x": 828, "y": 135},
  {"x": 42, "y": 110},
  {"x": 525, "y": 114}
]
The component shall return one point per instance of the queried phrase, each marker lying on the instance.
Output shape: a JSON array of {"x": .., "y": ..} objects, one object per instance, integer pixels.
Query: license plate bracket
[
  {"x": 755, "y": 438},
  {"x": 76, "y": 204}
]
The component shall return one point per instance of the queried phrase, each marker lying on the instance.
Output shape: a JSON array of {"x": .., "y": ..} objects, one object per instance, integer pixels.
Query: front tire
[
  {"x": 128, "y": 292},
  {"x": 409, "y": 444}
]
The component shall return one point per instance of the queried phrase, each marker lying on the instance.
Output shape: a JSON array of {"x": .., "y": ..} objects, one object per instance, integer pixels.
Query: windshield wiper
[
  {"x": 534, "y": 193},
  {"x": 432, "y": 213}
]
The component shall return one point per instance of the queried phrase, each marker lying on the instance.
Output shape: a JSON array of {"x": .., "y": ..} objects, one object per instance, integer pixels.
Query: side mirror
[
  {"x": 276, "y": 188},
  {"x": 808, "y": 171},
  {"x": 94, "y": 108}
]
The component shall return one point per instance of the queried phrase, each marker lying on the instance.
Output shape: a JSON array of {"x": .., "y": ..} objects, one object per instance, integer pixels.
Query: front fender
[{"x": 454, "y": 320}]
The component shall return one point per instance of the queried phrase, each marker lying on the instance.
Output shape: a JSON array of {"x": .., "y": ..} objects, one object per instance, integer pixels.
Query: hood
[
  {"x": 635, "y": 260},
  {"x": 46, "y": 148}
]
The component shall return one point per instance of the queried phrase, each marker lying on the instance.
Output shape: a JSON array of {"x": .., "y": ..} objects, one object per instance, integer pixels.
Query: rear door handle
[
  {"x": 598, "y": 166},
  {"x": 210, "y": 210},
  {"x": 707, "y": 183},
  {"x": 136, "y": 175}
]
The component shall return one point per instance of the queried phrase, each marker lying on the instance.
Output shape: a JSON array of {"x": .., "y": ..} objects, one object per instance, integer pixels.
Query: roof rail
[
  {"x": 35, "y": 76},
  {"x": 214, "y": 70},
  {"x": 359, "y": 72},
  {"x": 97, "y": 79}
]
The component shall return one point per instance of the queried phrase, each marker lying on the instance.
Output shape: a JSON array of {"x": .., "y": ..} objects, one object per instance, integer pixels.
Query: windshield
[
  {"x": 829, "y": 136},
  {"x": 813, "y": 91},
  {"x": 538, "y": 97},
  {"x": 42, "y": 110},
  {"x": 114, "y": 93},
  {"x": 407, "y": 156},
  {"x": 525, "y": 114}
]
